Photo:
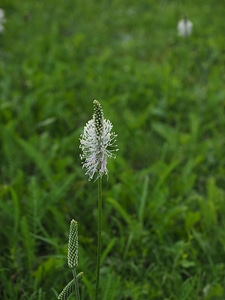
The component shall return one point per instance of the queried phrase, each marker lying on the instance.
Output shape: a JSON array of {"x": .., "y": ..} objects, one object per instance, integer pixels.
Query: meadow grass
[{"x": 164, "y": 202}]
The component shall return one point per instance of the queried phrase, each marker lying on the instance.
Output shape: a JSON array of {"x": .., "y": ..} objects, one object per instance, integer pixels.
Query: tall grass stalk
[
  {"x": 77, "y": 292},
  {"x": 99, "y": 247}
]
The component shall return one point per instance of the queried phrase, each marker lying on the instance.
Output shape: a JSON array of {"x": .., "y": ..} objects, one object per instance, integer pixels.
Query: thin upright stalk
[
  {"x": 99, "y": 236},
  {"x": 77, "y": 292}
]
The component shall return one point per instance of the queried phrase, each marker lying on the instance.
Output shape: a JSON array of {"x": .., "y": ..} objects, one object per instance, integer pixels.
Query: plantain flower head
[
  {"x": 184, "y": 27},
  {"x": 97, "y": 143},
  {"x": 2, "y": 20},
  {"x": 73, "y": 245}
]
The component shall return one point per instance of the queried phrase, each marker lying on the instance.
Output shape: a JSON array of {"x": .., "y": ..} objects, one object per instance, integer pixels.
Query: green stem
[
  {"x": 99, "y": 236},
  {"x": 77, "y": 292}
]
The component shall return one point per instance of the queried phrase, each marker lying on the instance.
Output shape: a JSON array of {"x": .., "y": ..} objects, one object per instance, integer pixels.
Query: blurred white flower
[
  {"x": 184, "y": 27},
  {"x": 2, "y": 20},
  {"x": 2, "y": 14},
  {"x": 97, "y": 143}
]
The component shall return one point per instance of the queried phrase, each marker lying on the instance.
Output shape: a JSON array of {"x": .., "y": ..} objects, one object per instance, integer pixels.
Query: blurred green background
[{"x": 164, "y": 200}]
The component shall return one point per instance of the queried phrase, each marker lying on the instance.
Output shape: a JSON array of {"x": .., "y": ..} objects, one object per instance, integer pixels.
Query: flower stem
[
  {"x": 77, "y": 293},
  {"x": 99, "y": 235}
]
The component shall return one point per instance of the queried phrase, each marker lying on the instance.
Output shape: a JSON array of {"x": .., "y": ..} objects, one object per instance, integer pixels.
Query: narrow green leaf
[{"x": 120, "y": 210}]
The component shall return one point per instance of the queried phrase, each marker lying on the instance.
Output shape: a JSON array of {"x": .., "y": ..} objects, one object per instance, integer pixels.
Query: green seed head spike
[
  {"x": 73, "y": 245},
  {"x": 98, "y": 118},
  {"x": 68, "y": 289}
]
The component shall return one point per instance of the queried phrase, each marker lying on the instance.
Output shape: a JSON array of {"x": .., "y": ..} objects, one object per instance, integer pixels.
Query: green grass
[{"x": 164, "y": 202}]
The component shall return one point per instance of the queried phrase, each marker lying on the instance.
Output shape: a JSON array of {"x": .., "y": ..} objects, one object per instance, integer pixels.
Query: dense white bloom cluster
[
  {"x": 184, "y": 27},
  {"x": 97, "y": 143},
  {"x": 2, "y": 20}
]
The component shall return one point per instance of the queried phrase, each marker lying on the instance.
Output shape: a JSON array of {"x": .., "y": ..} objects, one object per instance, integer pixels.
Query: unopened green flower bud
[{"x": 73, "y": 245}]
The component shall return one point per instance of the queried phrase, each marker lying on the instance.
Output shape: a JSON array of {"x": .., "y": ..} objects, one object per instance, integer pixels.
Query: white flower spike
[
  {"x": 2, "y": 20},
  {"x": 184, "y": 27},
  {"x": 2, "y": 15},
  {"x": 97, "y": 143}
]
